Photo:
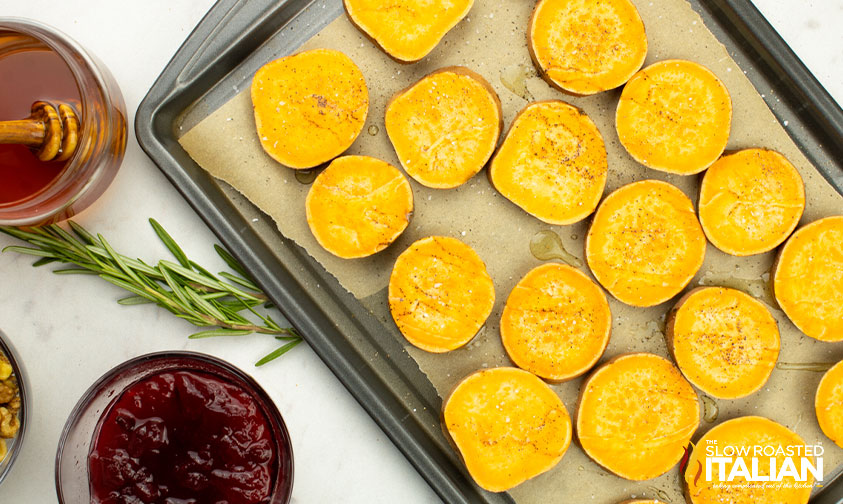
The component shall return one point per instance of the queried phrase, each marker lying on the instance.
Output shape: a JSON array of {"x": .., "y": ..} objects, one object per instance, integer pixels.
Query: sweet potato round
[
  {"x": 636, "y": 414},
  {"x": 750, "y": 201},
  {"x": 807, "y": 279},
  {"x": 674, "y": 116},
  {"x": 556, "y": 322},
  {"x": 744, "y": 433},
  {"x": 440, "y": 294},
  {"x": 725, "y": 342},
  {"x": 645, "y": 243},
  {"x": 585, "y": 47},
  {"x": 445, "y": 127},
  {"x": 552, "y": 163},
  {"x": 358, "y": 206},
  {"x": 406, "y": 30},
  {"x": 828, "y": 404},
  {"x": 309, "y": 107},
  {"x": 507, "y": 425}
]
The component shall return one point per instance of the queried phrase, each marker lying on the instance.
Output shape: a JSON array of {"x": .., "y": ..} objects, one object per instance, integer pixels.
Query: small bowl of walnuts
[{"x": 13, "y": 406}]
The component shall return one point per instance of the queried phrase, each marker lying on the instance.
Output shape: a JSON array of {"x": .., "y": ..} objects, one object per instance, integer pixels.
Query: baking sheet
[{"x": 492, "y": 41}]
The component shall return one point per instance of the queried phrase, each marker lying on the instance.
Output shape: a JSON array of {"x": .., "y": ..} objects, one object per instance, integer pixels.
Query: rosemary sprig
[{"x": 224, "y": 306}]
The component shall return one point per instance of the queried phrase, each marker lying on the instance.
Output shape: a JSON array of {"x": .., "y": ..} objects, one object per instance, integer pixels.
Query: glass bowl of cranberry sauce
[{"x": 174, "y": 427}]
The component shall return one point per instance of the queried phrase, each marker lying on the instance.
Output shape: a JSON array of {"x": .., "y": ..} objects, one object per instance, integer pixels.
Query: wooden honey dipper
[{"x": 52, "y": 132}]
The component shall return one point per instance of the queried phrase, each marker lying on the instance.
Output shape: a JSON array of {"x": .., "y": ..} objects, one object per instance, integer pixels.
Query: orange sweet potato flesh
[
  {"x": 309, "y": 107},
  {"x": 556, "y": 322},
  {"x": 440, "y": 294},
  {"x": 725, "y": 342},
  {"x": 645, "y": 243},
  {"x": 507, "y": 425},
  {"x": 358, "y": 206},
  {"x": 584, "y": 47},
  {"x": 445, "y": 127},
  {"x": 750, "y": 201},
  {"x": 406, "y": 30},
  {"x": 674, "y": 116},
  {"x": 552, "y": 163},
  {"x": 828, "y": 403},
  {"x": 635, "y": 416},
  {"x": 807, "y": 279},
  {"x": 741, "y": 434}
]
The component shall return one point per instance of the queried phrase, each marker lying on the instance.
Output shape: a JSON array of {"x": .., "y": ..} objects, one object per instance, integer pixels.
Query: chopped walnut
[{"x": 10, "y": 404}]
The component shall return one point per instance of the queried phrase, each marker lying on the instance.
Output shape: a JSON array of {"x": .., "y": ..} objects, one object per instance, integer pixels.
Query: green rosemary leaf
[
  {"x": 134, "y": 300},
  {"x": 212, "y": 333},
  {"x": 83, "y": 234},
  {"x": 43, "y": 261},
  {"x": 168, "y": 242},
  {"x": 74, "y": 271},
  {"x": 29, "y": 251},
  {"x": 240, "y": 281},
  {"x": 232, "y": 263},
  {"x": 119, "y": 282},
  {"x": 204, "y": 306},
  {"x": 278, "y": 352}
]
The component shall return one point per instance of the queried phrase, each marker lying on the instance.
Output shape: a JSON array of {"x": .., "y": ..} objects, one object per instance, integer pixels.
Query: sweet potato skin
[
  {"x": 616, "y": 36},
  {"x": 747, "y": 431},
  {"x": 828, "y": 404},
  {"x": 358, "y": 206},
  {"x": 750, "y": 201},
  {"x": 560, "y": 178},
  {"x": 806, "y": 281},
  {"x": 401, "y": 51},
  {"x": 662, "y": 128},
  {"x": 440, "y": 294},
  {"x": 309, "y": 107},
  {"x": 646, "y": 248},
  {"x": 741, "y": 350},
  {"x": 662, "y": 390},
  {"x": 507, "y": 425},
  {"x": 536, "y": 324},
  {"x": 444, "y": 113}
]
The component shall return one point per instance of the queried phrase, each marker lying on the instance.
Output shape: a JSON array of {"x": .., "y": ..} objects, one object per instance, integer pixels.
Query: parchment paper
[{"x": 492, "y": 41}]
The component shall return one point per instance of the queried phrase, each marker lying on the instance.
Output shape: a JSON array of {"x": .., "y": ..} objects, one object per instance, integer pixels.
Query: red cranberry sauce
[{"x": 182, "y": 437}]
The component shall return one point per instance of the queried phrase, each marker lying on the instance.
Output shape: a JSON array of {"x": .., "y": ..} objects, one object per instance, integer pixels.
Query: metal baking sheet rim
[{"x": 382, "y": 377}]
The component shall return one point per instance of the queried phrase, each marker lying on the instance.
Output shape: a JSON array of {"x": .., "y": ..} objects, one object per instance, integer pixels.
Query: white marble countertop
[{"x": 70, "y": 331}]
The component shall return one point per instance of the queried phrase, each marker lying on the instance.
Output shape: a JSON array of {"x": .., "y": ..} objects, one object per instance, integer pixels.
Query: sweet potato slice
[
  {"x": 739, "y": 435},
  {"x": 309, "y": 107},
  {"x": 725, "y": 342},
  {"x": 584, "y": 47},
  {"x": 674, "y": 116},
  {"x": 829, "y": 404},
  {"x": 507, "y": 425},
  {"x": 556, "y": 322},
  {"x": 406, "y": 30},
  {"x": 750, "y": 201},
  {"x": 645, "y": 243},
  {"x": 445, "y": 127},
  {"x": 358, "y": 206},
  {"x": 808, "y": 279},
  {"x": 440, "y": 294},
  {"x": 552, "y": 163},
  {"x": 636, "y": 414}
]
